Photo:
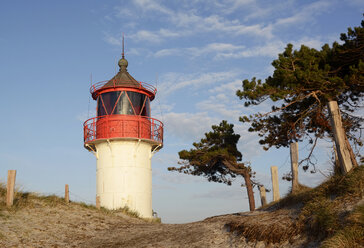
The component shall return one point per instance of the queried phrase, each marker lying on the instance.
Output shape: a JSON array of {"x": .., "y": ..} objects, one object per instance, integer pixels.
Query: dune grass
[
  {"x": 328, "y": 213},
  {"x": 28, "y": 200},
  {"x": 323, "y": 214}
]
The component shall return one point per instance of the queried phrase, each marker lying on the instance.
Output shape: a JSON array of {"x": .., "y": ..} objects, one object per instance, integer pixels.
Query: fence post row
[
  {"x": 66, "y": 194},
  {"x": 10, "y": 188},
  {"x": 339, "y": 137},
  {"x": 294, "y": 166},
  {"x": 275, "y": 185},
  {"x": 263, "y": 197}
]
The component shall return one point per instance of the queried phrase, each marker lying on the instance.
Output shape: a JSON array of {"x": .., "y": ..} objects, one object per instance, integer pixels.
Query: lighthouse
[{"x": 124, "y": 137}]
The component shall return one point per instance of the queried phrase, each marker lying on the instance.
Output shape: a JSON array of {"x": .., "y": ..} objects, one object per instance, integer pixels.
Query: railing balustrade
[{"x": 123, "y": 126}]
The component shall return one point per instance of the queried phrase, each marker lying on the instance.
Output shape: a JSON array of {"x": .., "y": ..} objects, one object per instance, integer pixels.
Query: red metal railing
[
  {"x": 123, "y": 126},
  {"x": 144, "y": 86}
]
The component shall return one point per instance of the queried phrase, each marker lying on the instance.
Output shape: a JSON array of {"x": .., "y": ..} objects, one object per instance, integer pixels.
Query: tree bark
[
  {"x": 249, "y": 189},
  {"x": 240, "y": 169},
  {"x": 343, "y": 147}
]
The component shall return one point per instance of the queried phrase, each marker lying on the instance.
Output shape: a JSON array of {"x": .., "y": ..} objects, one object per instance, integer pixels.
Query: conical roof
[{"x": 122, "y": 78}]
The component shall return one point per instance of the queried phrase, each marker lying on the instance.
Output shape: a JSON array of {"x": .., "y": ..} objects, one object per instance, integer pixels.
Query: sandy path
[
  {"x": 41, "y": 224},
  {"x": 72, "y": 225}
]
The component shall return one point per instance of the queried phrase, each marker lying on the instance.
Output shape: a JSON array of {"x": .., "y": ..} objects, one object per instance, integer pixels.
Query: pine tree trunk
[
  {"x": 240, "y": 169},
  {"x": 249, "y": 189},
  {"x": 343, "y": 147}
]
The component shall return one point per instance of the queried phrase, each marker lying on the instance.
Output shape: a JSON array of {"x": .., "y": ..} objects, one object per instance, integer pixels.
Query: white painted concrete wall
[{"x": 124, "y": 175}]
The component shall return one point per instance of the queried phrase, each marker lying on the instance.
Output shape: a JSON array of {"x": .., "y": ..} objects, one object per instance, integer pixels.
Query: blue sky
[{"x": 195, "y": 52}]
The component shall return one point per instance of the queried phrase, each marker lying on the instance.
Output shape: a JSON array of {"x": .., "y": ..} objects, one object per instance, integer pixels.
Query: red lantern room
[{"x": 123, "y": 111}]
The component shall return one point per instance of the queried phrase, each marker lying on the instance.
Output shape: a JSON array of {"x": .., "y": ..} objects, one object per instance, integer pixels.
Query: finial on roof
[
  {"x": 122, "y": 54},
  {"x": 123, "y": 63}
]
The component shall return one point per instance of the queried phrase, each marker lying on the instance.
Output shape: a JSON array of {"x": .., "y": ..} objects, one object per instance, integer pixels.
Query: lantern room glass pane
[
  {"x": 100, "y": 108},
  {"x": 137, "y": 100},
  {"x": 146, "y": 109},
  {"x": 123, "y": 106},
  {"x": 107, "y": 102}
]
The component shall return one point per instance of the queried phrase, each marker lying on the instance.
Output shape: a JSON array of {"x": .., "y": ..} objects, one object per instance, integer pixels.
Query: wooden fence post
[
  {"x": 339, "y": 137},
  {"x": 337, "y": 168},
  {"x": 66, "y": 194},
  {"x": 263, "y": 197},
  {"x": 10, "y": 188},
  {"x": 98, "y": 202},
  {"x": 294, "y": 166},
  {"x": 275, "y": 185}
]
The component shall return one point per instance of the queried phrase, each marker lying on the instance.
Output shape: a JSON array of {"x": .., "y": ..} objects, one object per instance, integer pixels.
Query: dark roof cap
[{"x": 122, "y": 78}]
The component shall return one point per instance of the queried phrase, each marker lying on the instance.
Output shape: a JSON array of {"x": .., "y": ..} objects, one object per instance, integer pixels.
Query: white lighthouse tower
[{"x": 124, "y": 137}]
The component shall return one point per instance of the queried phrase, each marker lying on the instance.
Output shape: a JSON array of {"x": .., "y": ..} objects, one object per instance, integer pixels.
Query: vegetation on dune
[
  {"x": 329, "y": 213},
  {"x": 217, "y": 158},
  {"x": 29, "y": 200}
]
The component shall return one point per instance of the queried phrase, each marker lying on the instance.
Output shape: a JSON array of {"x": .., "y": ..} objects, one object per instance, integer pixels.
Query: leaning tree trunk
[
  {"x": 240, "y": 169},
  {"x": 344, "y": 151},
  {"x": 249, "y": 189}
]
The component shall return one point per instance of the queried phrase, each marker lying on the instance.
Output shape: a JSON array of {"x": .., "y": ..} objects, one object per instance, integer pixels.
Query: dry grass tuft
[
  {"x": 349, "y": 237},
  {"x": 322, "y": 213},
  {"x": 270, "y": 227},
  {"x": 27, "y": 200},
  {"x": 352, "y": 235}
]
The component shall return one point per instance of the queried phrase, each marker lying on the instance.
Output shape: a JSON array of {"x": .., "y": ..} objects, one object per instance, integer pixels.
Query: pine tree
[
  {"x": 304, "y": 82},
  {"x": 217, "y": 158}
]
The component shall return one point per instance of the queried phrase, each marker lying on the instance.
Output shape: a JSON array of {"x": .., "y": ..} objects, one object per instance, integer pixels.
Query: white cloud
[
  {"x": 188, "y": 126},
  {"x": 188, "y": 22},
  {"x": 172, "y": 82},
  {"x": 357, "y": 3},
  {"x": 270, "y": 49},
  {"x": 154, "y": 36},
  {"x": 249, "y": 142},
  {"x": 123, "y": 12},
  {"x": 259, "y": 12},
  {"x": 214, "y": 23},
  {"x": 217, "y": 48},
  {"x": 234, "y": 5},
  {"x": 231, "y": 51},
  {"x": 316, "y": 43},
  {"x": 216, "y": 105},
  {"x": 144, "y": 35},
  {"x": 112, "y": 40},
  {"x": 223, "y": 102},
  {"x": 227, "y": 88},
  {"x": 168, "y": 33},
  {"x": 305, "y": 14},
  {"x": 150, "y": 5},
  {"x": 168, "y": 52},
  {"x": 165, "y": 107}
]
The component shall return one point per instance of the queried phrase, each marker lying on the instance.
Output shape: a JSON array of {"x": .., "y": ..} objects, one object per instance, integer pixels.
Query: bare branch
[{"x": 308, "y": 158}]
